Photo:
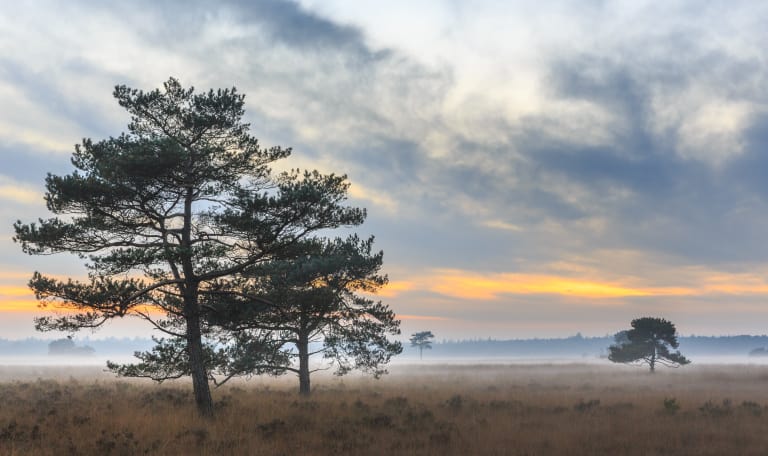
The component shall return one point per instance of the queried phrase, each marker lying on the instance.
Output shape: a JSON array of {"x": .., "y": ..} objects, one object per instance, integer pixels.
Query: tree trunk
[
  {"x": 200, "y": 385},
  {"x": 303, "y": 347},
  {"x": 197, "y": 370}
]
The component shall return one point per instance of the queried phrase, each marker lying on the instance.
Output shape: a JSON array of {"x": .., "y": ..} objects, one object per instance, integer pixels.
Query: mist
[{"x": 742, "y": 349}]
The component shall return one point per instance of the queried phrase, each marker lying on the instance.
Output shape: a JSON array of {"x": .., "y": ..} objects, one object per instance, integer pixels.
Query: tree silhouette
[
  {"x": 648, "y": 342},
  {"x": 67, "y": 346},
  {"x": 166, "y": 213},
  {"x": 422, "y": 340},
  {"x": 316, "y": 308}
]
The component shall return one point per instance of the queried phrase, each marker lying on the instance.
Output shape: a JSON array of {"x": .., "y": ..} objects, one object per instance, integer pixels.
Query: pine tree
[
  {"x": 649, "y": 342},
  {"x": 423, "y": 341},
  {"x": 314, "y": 308},
  {"x": 166, "y": 213}
]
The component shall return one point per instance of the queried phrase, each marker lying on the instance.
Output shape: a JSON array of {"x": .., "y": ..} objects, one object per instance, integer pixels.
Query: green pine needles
[
  {"x": 182, "y": 217},
  {"x": 648, "y": 342}
]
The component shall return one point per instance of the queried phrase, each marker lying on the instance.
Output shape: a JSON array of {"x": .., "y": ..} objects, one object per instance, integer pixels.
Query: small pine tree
[
  {"x": 648, "y": 342},
  {"x": 422, "y": 340}
]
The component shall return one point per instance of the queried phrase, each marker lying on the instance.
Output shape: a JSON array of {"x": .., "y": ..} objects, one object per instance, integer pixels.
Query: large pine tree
[{"x": 167, "y": 212}]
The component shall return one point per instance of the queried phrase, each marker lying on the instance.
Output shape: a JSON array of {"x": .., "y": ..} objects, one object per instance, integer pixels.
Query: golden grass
[{"x": 431, "y": 410}]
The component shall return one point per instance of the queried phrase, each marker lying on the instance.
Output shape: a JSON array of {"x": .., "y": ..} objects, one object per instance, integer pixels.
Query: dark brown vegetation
[{"x": 489, "y": 409}]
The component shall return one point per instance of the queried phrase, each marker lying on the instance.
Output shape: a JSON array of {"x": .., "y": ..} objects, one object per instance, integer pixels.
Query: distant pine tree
[
  {"x": 422, "y": 340},
  {"x": 649, "y": 342}
]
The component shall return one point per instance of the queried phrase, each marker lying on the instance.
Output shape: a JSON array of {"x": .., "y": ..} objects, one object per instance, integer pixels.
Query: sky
[{"x": 530, "y": 169}]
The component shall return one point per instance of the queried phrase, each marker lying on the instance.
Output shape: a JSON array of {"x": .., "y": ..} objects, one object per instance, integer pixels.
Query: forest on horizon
[{"x": 573, "y": 346}]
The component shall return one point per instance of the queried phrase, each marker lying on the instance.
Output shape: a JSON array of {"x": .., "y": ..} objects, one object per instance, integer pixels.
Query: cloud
[
  {"x": 421, "y": 317},
  {"x": 395, "y": 288},
  {"x": 495, "y": 143},
  {"x": 501, "y": 225},
  {"x": 14, "y": 192},
  {"x": 473, "y": 286},
  {"x": 15, "y": 298},
  {"x": 18, "y": 305},
  {"x": 14, "y": 291},
  {"x": 289, "y": 24},
  {"x": 380, "y": 200},
  {"x": 622, "y": 152},
  {"x": 575, "y": 281}
]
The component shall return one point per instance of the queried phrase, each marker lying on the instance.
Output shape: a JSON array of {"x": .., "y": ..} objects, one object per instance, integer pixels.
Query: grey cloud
[
  {"x": 288, "y": 23},
  {"x": 636, "y": 183},
  {"x": 373, "y": 107},
  {"x": 675, "y": 205},
  {"x": 447, "y": 240},
  {"x": 750, "y": 170},
  {"x": 45, "y": 90},
  {"x": 283, "y": 22},
  {"x": 387, "y": 162},
  {"x": 604, "y": 82},
  {"x": 26, "y": 164}
]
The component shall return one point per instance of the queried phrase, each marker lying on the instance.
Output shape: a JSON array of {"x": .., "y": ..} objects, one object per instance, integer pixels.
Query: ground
[{"x": 495, "y": 409}]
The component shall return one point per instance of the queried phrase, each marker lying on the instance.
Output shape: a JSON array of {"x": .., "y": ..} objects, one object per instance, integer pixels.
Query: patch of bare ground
[{"x": 430, "y": 410}]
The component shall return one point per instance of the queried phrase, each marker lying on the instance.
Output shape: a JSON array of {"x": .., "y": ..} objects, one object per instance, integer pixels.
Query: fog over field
[
  {"x": 420, "y": 408},
  {"x": 575, "y": 349}
]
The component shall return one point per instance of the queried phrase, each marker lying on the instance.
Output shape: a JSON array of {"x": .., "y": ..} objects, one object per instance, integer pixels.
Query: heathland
[{"x": 431, "y": 409}]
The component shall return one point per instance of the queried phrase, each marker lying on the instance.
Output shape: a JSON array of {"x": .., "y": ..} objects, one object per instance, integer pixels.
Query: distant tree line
[
  {"x": 589, "y": 347},
  {"x": 110, "y": 346},
  {"x": 67, "y": 347},
  {"x": 570, "y": 347}
]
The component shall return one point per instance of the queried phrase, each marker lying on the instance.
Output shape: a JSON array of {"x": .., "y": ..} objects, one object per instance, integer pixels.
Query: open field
[{"x": 430, "y": 409}]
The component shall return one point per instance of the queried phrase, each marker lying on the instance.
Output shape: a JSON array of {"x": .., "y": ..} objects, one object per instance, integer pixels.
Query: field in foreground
[{"x": 432, "y": 409}]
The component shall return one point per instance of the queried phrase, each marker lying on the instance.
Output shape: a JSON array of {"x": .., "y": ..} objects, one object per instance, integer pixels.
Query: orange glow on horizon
[
  {"x": 15, "y": 290},
  {"x": 16, "y": 298},
  {"x": 421, "y": 317},
  {"x": 467, "y": 285},
  {"x": 394, "y": 288},
  {"x": 736, "y": 284},
  {"x": 18, "y": 305},
  {"x": 12, "y": 299},
  {"x": 475, "y": 286}
]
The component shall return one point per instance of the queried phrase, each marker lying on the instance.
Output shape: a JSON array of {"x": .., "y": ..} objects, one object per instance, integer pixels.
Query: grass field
[{"x": 430, "y": 409}]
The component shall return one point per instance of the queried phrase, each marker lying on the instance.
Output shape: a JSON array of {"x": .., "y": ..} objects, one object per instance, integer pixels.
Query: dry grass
[{"x": 491, "y": 409}]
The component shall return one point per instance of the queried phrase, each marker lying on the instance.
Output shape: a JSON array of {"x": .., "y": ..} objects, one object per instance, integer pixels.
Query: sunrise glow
[{"x": 512, "y": 158}]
